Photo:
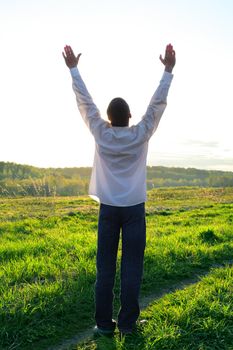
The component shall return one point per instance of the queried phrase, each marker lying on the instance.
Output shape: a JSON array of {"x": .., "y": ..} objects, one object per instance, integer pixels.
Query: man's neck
[{"x": 120, "y": 125}]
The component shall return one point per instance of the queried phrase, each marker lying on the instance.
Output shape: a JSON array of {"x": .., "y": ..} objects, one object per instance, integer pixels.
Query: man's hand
[
  {"x": 169, "y": 59},
  {"x": 70, "y": 59}
]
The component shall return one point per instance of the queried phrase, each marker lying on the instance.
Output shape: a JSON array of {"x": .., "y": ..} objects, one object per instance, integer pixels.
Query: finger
[
  {"x": 169, "y": 53},
  {"x": 161, "y": 59},
  {"x": 79, "y": 55},
  {"x": 71, "y": 51},
  {"x": 68, "y": 50},
  {"x": 169, "y": 48},
  {"x": 64, "y": 55}
]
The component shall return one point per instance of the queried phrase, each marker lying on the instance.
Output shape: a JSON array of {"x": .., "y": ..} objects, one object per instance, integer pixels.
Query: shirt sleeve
[
  {"x": 86, "y": 106},
  {"x": 157, "y": 105}
]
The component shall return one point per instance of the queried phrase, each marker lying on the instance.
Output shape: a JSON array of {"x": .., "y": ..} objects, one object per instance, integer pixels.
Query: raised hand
[
  {"x": 169, "y": 59},
  {"x": 70, "y": 59}
]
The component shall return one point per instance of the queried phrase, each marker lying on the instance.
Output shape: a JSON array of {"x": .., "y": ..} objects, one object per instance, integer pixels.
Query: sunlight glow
[{"x": 120, "y": 42}]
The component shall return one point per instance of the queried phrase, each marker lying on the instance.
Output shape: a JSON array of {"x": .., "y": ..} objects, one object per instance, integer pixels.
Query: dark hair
[{"x": 118, "y": 112}]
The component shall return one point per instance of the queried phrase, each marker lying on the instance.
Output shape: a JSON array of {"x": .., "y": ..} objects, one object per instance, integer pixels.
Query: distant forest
[{"x": 24, "y": 180}]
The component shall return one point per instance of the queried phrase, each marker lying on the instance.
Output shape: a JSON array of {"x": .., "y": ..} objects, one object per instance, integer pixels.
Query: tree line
[{"x": 25, "y": 180}]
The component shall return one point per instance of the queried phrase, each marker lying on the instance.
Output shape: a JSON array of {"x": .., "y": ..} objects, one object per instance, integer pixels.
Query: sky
[{"x": 120, "y": 42}]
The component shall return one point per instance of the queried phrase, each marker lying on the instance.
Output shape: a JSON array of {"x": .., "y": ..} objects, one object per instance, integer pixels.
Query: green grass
[
  {"x": 48, "y": 248},
  {"x": 199, "y": 317}
]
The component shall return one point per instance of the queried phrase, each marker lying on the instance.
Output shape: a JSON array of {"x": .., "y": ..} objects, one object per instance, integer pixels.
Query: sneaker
[
  {"x": 99, "y": 332},
  {"x": 129, "y": 332}
]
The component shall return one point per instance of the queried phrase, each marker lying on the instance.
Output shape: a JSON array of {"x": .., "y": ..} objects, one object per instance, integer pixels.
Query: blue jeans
[{"x": 131, "y": 221}]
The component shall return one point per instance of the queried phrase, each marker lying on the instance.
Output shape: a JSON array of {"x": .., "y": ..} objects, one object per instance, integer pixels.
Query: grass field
[{"x": 47, "y": 257}]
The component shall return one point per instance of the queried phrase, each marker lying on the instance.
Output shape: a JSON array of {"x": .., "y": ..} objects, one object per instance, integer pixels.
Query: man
[{"x": 119, "y": 181}]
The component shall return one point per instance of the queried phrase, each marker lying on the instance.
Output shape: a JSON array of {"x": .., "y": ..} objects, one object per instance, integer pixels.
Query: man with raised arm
[{"x": 118, "y": 180}]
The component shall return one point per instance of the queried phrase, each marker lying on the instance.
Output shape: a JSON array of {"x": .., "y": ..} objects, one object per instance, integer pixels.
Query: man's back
[{"x": 119, "y": 167}]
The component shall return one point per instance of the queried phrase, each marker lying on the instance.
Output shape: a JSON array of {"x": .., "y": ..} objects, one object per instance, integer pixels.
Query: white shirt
[{"x": 119, "y": 169}]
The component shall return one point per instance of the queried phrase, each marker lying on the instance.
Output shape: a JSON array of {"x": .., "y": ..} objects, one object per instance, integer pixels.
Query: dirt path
[{"x": 144, "y": 303}]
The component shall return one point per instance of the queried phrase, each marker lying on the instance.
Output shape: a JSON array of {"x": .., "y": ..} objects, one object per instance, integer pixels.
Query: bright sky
[{"x": 120, "y": 42}]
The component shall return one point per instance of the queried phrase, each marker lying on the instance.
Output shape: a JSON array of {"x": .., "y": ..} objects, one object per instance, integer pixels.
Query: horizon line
[{"x": 90, "y": 166}]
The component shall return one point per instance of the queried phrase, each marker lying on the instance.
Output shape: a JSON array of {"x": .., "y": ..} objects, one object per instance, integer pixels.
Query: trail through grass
[{"x": 200, "y": 317}]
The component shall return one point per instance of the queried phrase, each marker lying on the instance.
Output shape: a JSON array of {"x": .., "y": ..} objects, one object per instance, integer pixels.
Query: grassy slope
[{"x": 47, "y": 257}]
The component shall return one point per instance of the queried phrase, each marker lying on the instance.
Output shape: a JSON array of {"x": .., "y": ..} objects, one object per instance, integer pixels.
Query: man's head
[{"x": 118, "y": 112}]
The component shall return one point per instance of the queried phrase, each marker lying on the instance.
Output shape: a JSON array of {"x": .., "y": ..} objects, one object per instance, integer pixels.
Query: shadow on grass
[
  {"x": 129, "y": 342},
  {"x": 137, "y": 341},
  {"x": 104, "y": 343}
]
